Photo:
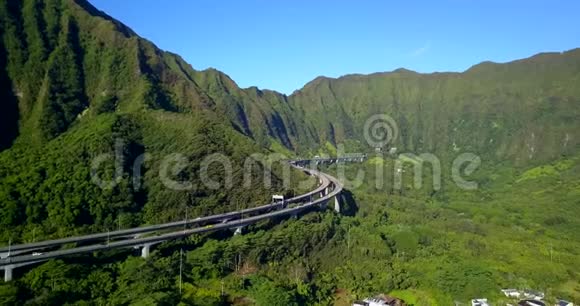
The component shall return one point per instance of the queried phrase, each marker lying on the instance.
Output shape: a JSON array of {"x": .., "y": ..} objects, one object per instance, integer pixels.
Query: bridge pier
[
  {"x": 8, "y": 273},
  {"x": 9, "y": 269},
  {"x": 238, "y": 230},
  {"x": 324, "y": 192},
  {"x": 145, "y": 250}
]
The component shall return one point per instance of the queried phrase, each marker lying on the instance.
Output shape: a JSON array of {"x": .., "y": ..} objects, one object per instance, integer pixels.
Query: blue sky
[{"x": 282, "y": 45}]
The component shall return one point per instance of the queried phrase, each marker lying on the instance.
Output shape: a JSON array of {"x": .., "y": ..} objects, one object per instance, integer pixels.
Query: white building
[
  {"x": 564, "y": 303},
  {"x": 381, "y": 300},
  {"x": 535, "y": 295},
  {"x": 511, "y": 293},
  {"x": 531, "y": 303},
  {"x": 479, "y": 302},
  {"x": 277, "y": 198},
  {"x": 376, "y": 302}
]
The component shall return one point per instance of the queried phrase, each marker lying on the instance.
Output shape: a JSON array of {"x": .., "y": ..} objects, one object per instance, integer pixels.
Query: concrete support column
[
  {"x": 238, "y": 230},
  {"x": 145, "y": 250},
  {"x": 337, "y": 203},
  {"x": 8, "y": 273},
  {"x": 324, "y": 192}
]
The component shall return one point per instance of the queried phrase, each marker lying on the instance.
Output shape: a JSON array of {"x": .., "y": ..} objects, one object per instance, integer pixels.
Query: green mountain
[
  {"x": 524, "y": 111},
  {"x": 76, "y": 84}
]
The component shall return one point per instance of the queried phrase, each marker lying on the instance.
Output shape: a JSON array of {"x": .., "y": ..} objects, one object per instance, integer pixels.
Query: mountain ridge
[{"x": 164, "y": 80}]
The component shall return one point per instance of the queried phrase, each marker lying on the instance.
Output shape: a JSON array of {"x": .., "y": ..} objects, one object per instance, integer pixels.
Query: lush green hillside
[
  {"x": 75, "y": 82},
  {"x": 525, "y": 111},
  {"x": 65, "y": 59}
]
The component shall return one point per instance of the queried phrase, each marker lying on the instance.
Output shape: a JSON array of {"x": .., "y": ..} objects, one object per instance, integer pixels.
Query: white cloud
[{"x": 422, "y": 50}]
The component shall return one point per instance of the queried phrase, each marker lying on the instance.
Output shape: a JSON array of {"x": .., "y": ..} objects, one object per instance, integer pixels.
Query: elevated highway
[{"x": 329, "y": 188}]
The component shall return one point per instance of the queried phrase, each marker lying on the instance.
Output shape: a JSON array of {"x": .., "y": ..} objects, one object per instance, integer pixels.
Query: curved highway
[
  {"x": 158, "y": 227},
  {"x": 329, "y": 188}
]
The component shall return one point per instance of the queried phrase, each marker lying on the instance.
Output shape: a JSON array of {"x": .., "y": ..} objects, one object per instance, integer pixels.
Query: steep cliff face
[
  {"x": 525, "y": 111},
  {"x": 67, "y": 62},
  {"x": 76, "y": 84}
]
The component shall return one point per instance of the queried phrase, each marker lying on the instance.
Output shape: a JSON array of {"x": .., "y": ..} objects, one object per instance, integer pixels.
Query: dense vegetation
[
  {"x": 76, "y": 84},
  {"x": 431, "y": 250}
]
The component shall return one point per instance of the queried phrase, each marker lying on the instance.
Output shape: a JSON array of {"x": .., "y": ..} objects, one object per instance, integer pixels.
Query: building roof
[
  {"x": 479, "y": 302},
  {"x": 531, "y": 303}
]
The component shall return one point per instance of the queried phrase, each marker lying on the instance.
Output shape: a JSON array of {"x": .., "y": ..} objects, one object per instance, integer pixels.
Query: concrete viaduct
[{"x": 15, "y": 256}]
